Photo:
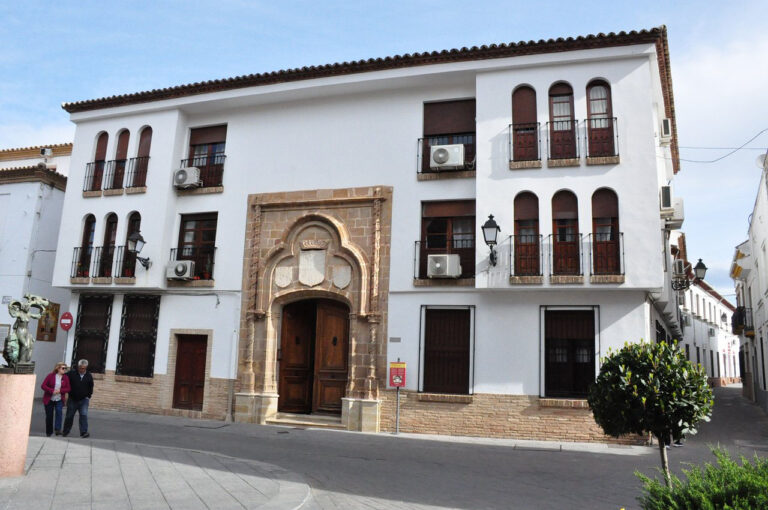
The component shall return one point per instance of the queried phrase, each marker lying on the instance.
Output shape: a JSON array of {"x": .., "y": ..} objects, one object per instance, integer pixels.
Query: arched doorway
[{"x": 313, "y": 356}]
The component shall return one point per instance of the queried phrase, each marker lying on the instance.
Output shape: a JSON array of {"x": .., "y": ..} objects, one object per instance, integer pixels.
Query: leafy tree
[{"x": 650, "y": 387}]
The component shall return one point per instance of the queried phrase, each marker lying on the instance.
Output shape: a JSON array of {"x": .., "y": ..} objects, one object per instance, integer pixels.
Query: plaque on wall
[
  {"x": 48, "y": 324},
  {"x": 312, "y": 267}
]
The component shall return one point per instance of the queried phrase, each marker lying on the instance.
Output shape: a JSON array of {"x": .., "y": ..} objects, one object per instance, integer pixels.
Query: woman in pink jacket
[{"x": 55, "y": 390}]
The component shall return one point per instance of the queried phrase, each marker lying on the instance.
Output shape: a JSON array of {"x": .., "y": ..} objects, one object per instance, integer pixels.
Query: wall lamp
[
  {"x": 490, "y": 234},
  {"x": 135, "y": 244},
  {"x": 680, "y": 279}
]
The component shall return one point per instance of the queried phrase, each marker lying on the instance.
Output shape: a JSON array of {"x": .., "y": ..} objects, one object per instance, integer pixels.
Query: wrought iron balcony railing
[
  {"x": 524, "y": 142},
  {"x": 424, "y": 152},
  {"x": 565, "y": 254},
  {"x": 606, "y": 253},
  {"x": 525, "y": 255},
  {"x": 204, "y": 258},
  {"x": 137, "y": 172},
  {"x": 601, "y": 137},
  {"x": 211, "y": 168},
  {"x": 114, "y": 173},
  {"x": 81, "y": 262},
  {"x": 103, "y": 257},
  {"x": 125, "y": 262},
  {"x": 741, "y": 322},
  {"x": 94, "y": 173},
  {"x": 464, "y": 248},
  {"x": 562, "y": 139}
]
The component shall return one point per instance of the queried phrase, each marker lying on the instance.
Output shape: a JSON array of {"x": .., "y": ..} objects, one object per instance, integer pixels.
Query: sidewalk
[{"x": 79, "y": 474}]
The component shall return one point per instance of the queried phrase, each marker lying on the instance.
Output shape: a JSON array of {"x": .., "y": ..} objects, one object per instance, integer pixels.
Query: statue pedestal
[{"x": 17, "y": 392}]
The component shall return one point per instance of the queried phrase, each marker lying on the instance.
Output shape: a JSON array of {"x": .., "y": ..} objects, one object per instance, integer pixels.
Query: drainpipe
[{"x": 229, "y": 418}]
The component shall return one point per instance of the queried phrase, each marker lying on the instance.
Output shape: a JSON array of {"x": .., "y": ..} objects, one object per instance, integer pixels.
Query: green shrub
[{"x": 726, "y": 485}]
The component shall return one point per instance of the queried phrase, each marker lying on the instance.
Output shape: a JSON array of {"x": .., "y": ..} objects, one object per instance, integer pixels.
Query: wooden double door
[
  {"x": 189, "y": 382},
  {"x": 313, "y": 357}
]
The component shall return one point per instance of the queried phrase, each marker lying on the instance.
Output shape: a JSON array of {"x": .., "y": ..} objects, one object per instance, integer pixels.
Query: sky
[{"x": 55, "y": 52}]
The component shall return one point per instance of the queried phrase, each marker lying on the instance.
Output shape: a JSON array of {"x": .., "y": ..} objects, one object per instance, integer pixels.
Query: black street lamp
[
  {"x": 681, "y": 282},
  {"x": 490, "y": 234},
  {"x": 135, "y": 245},
  {"x": 700, "y": 270}
]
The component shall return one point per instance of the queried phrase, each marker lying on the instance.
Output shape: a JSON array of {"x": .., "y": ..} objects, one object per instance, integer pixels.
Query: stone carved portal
[{"x": 330, "y": 249}]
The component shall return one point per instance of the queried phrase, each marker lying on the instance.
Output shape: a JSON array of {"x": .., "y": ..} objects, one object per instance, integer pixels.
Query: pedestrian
[
  {"x": 55, "y": 389},
  {"x": 81, "y": 383}
]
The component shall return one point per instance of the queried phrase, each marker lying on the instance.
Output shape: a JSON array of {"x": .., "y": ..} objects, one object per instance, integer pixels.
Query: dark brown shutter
[
  {"x": 605, "y": 204},
  {"x": 448, "y": 209},
  {"x": 524, "y": 106},
  {"x": 145, "y": 140},
  {"x": 446, "y": 351},
  {"x": 449, "y": 117},
  {"x": 213, "y": 134},
  {"x": 565, "y": 206},
  {"x": 122, "y": 145},
  {"x": 101, "y": 147},
  {"x": 570, "y": 324},
  {"x": 111, "y": 230},
  {"x": 88, "y": 228},
  {"x": 560, "y": 89},
  {"x": 526, "y": 206}
]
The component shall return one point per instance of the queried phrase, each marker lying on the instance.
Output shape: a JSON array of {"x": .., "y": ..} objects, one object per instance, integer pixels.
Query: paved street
[{"x": 142, "y": 461}]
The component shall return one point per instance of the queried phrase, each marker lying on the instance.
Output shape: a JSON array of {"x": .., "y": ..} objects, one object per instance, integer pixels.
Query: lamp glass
[
  {"x": 490, "y": 231},
  {"x": 700, "y": 269},
  {"x": 135, "y": 242}
]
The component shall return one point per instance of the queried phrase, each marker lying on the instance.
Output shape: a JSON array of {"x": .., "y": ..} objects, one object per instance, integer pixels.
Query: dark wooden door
[
  {"x": 570, "y": 352},
  {"x": 565, "y": 248},
  {"x": 190, "y": 372},
  {"x": 527, "y": 247},
  {"x": 331, "y": 358},
  {"x": 446, "y": 351},
  {"x": 295, "y": 357}
]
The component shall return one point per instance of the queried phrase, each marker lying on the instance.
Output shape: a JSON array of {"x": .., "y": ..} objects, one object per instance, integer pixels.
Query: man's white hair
[{"x": 82, "y": 363}]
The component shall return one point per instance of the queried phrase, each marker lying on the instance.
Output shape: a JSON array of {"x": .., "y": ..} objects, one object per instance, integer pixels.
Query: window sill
[
  {"x": 81, "y": 280},
  {"x": 91, "y": 194},
  {"x": 125, "y": 280},
  {"x": 446, "y": 174},
  {"x": 564, "y": 403},
  {"x": 444, "y": 282},
  {"x": 102, "y": 280},
  {"x": 566, "y": 279},
  {"x": 133, "y": 191},
  {"x": 519, "y": 165},
  {"x": 445, "y": 398},
  {"x": 607, "y": 278},
  {"x": 602, "y": 160},
  {"x": 200, "y": 191},
  {"x": 526, "y": 280},
  {"x": 113, "y": 192},
  {"x": 559, "y": 163},
  {"x": 191, "y": 283},
  {"x": 133, "y": 379}
]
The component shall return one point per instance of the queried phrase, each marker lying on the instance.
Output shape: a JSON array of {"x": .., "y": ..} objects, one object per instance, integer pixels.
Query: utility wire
[{"x": 727, "y": 154}]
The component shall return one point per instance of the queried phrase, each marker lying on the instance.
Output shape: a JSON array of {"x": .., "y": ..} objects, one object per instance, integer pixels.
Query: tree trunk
[{"x": 664, "y": 460}]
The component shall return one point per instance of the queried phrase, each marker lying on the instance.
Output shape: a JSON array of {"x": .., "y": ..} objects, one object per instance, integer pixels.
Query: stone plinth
[
  {"x": 255, "y": 407},
  {"x": 361, "y": 415},
  {"x": 17, "y": 392}
]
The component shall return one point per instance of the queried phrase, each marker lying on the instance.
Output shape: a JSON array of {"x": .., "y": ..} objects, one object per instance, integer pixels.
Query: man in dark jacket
[{"x": 81, "y": 383}]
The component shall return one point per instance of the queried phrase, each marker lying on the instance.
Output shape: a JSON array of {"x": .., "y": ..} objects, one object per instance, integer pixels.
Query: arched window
[
  {"x": 562, "y": 125},
  {"x": 527, "y": 240},
  {"x": 94, "y": 171},
  {"x": 566, "y": 244},
  {"x": 106, "y": 252},
  {"x": 525, "y": 128},
  {"x": 606, "y": 249},
  {"x": 116, "y": 168},
  {"x": 600, "y": 124},
  {"x": 83, "y": 269},
  {"x": 138, "y": 171},
  {"x": 128, "y": 266}
]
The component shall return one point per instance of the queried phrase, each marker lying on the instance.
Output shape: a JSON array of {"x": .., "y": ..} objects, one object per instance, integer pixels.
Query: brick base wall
[
  {"x": 501, "y": 416},
  {"x": 154, "y": 395}
]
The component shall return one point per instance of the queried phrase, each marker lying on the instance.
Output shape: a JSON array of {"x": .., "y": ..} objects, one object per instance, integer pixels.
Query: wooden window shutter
[
  {"x": 206, "y": 135},
  {"x": 605, "y": 204},
  {"x": 449, "y": 117},
  {"x": 101, "y": 147},
  {"x": 122, "y": 145},
  {"x": 524, "y": 106},
  {"x": 448, "y": 209},
  {"x": 145, "y": 141},
  {"x": 526, "y": 206},
  {"x": 565, "y": 206}
]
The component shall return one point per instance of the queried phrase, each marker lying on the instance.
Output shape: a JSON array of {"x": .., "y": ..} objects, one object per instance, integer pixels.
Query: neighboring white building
[
  {"x": 749, "y": 270},
  {"x": 31, "y": 197},
  {"x": 325, "y": 206}
]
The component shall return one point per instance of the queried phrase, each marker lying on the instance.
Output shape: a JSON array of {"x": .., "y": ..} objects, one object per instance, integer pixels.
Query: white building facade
[
  {"x": 328, "y": 221},
  {"x": 32, "y": 186}
]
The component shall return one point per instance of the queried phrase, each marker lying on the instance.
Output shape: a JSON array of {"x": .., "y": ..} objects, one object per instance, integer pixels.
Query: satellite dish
[{"x": 761, "y": 161}]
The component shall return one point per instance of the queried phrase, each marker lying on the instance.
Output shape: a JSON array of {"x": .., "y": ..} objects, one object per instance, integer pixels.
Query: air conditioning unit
[
  {"x": 676, "y": 219},
  {"x": 678, "y": 267},
  {"x": 443, "y": 266},
  {"x": 687, "y": 321},
  {"x": 446, "y": 156},
  {"x": 46, "y": 152},
  {"x": 188, "y": 177},
  {"x": 180, "y": 270},
  {"x": 712, "y": 332},
  {"x": 666, "y": 131},
  {"x": 665, "y": 201}
]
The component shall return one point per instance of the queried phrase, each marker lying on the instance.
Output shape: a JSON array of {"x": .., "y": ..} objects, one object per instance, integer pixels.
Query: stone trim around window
[
  {"x": 559, "y": 163},
  {"x": 445, "y": 398},
  {"x": 200, "y": 191},
  {"x": 520, "y": 165},
  {"x": 439, "y": 176},
  {"x": 443, "y": 282}
]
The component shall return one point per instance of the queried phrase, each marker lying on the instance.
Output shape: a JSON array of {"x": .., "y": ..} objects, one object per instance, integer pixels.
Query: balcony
[
  {"x": 137, "y": 174},
  {"x": 602, "y": 141},
  {"x": 94, "y": 173},
  {"x": 81, "y": 264},
  {"x": 211, "y": 169},
  {"x": 606, "y": 257},
  {"x": 103, "y": 257},
  {"x": 114, "y": 172},
  {"x": 524, "y": 145},
  {"x": 204, "y": 258},
  {"x": 465, "y": 168},
  {"x": 741, "y": 322},
  {"x": 464, "y": 248},
  {"x": 125, "y": 262},
  {"x": 525, "y": 259},
  {"x": 562, "y": 143},
  {"x": 565, "y": 262}
]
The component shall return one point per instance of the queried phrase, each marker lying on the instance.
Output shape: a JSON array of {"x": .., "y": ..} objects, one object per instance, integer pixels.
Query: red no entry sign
[{"x": 66, "y": 321}]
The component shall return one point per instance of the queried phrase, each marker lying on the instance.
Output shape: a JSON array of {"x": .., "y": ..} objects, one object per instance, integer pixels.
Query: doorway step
[{"x": 320, "y": 421}]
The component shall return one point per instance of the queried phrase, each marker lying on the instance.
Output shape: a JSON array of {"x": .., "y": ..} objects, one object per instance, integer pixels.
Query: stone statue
[{"x": 20, "y": 342}]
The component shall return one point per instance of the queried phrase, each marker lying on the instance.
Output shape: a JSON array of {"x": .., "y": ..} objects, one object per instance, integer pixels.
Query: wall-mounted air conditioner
[
  {"x": 443, "y": 266},
  {"x": 446, "y": 156},
  {"x": 46, "y": 152},
  {"x": 188, "y": 177},
  {"x": 666, "y": 131},
  {"x": 665, "y": 201},
  {"x": 678, "y": 267},
  {"x": 712, "y": 332},
  {"x": 675, "y": 221},
  {"x": 180, "y": 270},
  {"x": 687, "y": 321}
]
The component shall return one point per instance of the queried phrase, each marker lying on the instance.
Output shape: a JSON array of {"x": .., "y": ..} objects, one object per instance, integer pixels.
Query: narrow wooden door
[
  {"x": 190, "y": 372},
  {"x": 295, "y": 357},
  {"x": 446, "y": 351},
  {"x": 331, "y": 359}
]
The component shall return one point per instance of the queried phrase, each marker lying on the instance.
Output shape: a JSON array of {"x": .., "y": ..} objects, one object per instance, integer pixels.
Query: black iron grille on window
[
  {"x": 92, "y": 331},
  {"x": 138, "y": 335}
]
